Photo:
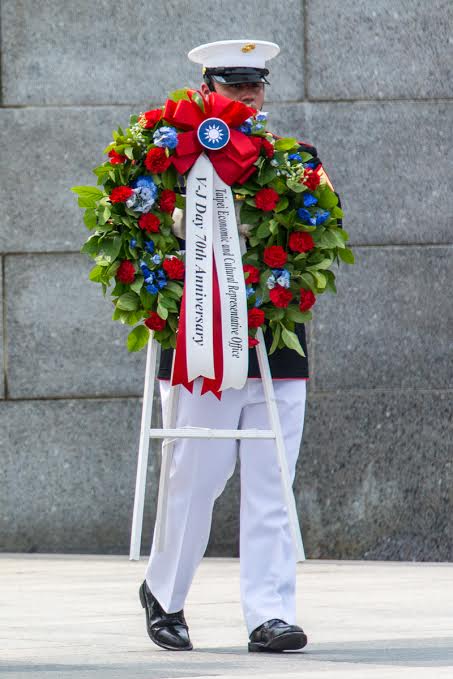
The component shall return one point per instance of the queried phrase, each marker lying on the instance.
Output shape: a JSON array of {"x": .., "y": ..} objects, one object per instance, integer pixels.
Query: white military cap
[{"x": 235, "y": 61}]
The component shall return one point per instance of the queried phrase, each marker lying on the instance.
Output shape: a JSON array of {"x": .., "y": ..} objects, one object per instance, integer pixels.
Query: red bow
[{"x": 233, "y": 163}]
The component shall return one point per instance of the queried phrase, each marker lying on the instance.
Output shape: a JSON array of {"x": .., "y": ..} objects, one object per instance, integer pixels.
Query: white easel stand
[{"x": 169, "y": 433}]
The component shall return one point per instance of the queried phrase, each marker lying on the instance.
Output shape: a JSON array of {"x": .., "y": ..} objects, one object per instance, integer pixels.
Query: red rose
[
  {"x": 155, "y": 322},
  {"x": 120, "y": 194},
  {"x": 149, "y": 222},
  {"x": 116, "y": 158},
  {"x": 256, "y": 317},
  {"x": 174, "y": 268},
  {"x": 167, "y": 200},
  {"x": 157, "y": 160},
  {"x": 307, "y": 299},
  {"x": 275, "y": 256},
  {"x": 150, "y": 118},
  {"x": 266, "y": 199},
  {"x": 126, "y": 272},
  {"x": 253, "y": 274},
  {"x": 253, "y": 342},
  {"x": 280, "y": 297},
  {"x": 299, "y": 241},
  {"x": 268, "y": 148},
  {"x": 311, "y": 178}
]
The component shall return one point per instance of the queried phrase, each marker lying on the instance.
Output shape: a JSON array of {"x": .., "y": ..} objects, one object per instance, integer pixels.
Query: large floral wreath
[{"x": 294, "y": 236}]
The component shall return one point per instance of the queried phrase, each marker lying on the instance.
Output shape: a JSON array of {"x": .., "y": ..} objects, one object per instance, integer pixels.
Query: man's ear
[{"x": 204, "y": 89}]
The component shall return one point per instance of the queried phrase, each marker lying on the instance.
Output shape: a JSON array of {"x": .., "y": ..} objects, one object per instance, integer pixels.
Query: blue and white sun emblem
[{"x": 213, "y": 134}]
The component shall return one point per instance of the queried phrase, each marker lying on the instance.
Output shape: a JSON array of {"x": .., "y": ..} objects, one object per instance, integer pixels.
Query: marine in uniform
[{"x": 200, "y": 470}]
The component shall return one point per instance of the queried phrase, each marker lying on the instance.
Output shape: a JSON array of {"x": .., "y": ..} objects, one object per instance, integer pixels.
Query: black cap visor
[{"x": 237, "y": 75}]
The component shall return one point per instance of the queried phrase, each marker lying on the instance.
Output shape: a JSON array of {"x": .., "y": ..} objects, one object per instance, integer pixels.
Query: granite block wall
[{"x": 370, "y": 84}]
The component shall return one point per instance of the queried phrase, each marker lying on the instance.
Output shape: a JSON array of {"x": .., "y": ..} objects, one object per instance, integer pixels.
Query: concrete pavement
[{"x": 78, "y": 617}]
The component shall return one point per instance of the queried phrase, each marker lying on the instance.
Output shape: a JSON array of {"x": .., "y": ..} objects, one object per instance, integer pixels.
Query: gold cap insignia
[{"x": 248, "y": 47}]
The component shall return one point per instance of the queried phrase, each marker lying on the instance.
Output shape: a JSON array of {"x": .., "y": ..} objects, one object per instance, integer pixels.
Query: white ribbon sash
[{"x": 211, "y": 231}]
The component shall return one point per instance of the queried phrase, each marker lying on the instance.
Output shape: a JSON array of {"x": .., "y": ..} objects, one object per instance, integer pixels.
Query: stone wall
[{"x": 370, "y": 84}]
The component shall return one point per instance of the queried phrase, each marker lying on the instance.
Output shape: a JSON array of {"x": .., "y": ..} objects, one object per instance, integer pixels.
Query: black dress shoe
[
  {"x": 275, "y": 635},
  {"x": 167, "y": 630}
]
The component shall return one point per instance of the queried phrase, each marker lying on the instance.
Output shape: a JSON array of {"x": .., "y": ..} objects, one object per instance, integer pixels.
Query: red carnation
[
  {"x": 167, "y": 200},
  {"x": 149, "y": 222},
  {"x": 266, "y": 199},
  {"x": 268, "y": 148},
  {"x": 253, "y": 342},
  {"x": 280, "y": 297},
  {"x": 120, "y": 194},
  {"x": 155, "y": 322},
  {"x": 275, "y": 256},
  {"x": 116, "y": 158},
  {"x": 299, "y": 241},
  {"x": 253, "y": 274},
  {"x": 307, "y": 299},
  {"x": 174, "y": 268},
  {"x": 157, "y": 160},
  {"x": 126, "y": 272},
  {"x": 256, "y": 317},
  {"x": 311, "y": 178},
  {"x": 150, "y": 118}
]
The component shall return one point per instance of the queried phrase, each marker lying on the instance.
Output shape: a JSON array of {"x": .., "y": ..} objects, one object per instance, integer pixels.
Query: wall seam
[{"x": 4, "y": 330}]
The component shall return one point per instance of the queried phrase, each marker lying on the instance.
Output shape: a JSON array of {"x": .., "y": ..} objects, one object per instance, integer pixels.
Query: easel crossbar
[{"x": 204, "y": 433}]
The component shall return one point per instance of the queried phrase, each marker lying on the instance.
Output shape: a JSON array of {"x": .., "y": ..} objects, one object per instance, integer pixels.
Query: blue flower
[
  {"x": 166, "y": 137},
  {"x": 258, "y": 301},
  {"x": 149, "y": 246},
  {"x": 271, "y": 282},
  {"x": 311, "y": 165},
  {"x": 259, "y": 126},
  {"x": 295, "y": 156},
  {"x": 143, "y": 182},
  {"x": 250, "y": 290},
  {"x": 309, "y": 199},
  {"x": 145, "y": 270},
  {"x": 161, "y": 273},
  {"x": 153, "y": 289},
  {"x": 304, "y": 214},
  {"x": 246, "y": 126},
  {"x": 144, "y": 196},
  {"x": 132, "y": 243},
  {"x": 156, "y": 259},
  {"x": 262, "y": 115},
  {"x": 321, "y": 217}
]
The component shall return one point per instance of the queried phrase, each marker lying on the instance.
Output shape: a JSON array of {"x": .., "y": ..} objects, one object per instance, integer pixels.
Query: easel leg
[
  {"x": 169, "y": 422},
  {"x": 142, "y": 465},
  {"x": 280, "y": 446}
]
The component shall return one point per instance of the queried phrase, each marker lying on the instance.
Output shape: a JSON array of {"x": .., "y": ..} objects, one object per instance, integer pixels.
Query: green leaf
[
  {"x": 308, "y": 281},
  {"x": 128, "y": 302},
  {"x": 91, "y": 247},
  {"x": 250, "y": 215},
  {"x": 129, "y": 152},
  {"x": 88, "y": 195},
  {"x": 295, "y": 314},
  {"x": 282, "y": 204},
  {"x": 89, "y": 218},
  {"x": 346, "y": 256},
  {"x": 198, "y": 99},
  {"x": 266, "y": 174},
  {"x": 162, "y": 311},
  {"x": 327, "y": 199},
  {"x": 292, "y": 341},
  {"x": 285, "y": 144},
  {"x": 110, "y": 248},
  {"x": 96, "y": 274},
  {"x": 323, "y": 264},
  {"x": 136, "y": 286},
  {"x": 174, "y": 287},
  {"x": 177, "y": 95},
  {"x": 321, "y": 280},
  {"x": 276, "y": 338},
  {"x": 275, "y": 314},
  {"x": 296, "y": 186},
  {"x": 263, "y": 231},
  {"x": 169, "y": 178},
  {"x": 138, "y": 338}
]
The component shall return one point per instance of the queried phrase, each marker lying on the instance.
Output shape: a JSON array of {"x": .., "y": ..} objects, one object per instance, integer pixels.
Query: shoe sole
[
  {"x": 155, "y": 641},
  {"x": 292, "y": 641}
]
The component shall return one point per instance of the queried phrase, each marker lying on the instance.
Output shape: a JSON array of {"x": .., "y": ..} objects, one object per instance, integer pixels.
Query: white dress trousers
[{"x": 199, "y": 472}]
